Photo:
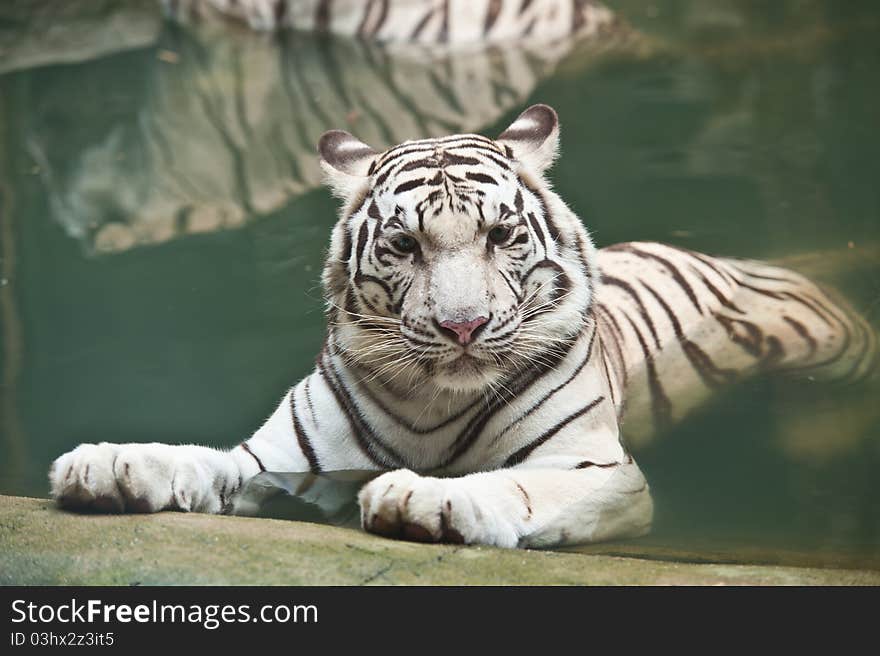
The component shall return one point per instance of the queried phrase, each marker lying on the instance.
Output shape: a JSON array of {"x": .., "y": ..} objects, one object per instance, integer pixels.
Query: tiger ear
[
  {"x": 533, "y": 138},
  {"x": 346, "y": 161}
]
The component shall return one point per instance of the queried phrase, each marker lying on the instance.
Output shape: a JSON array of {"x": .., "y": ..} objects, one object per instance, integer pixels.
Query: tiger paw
[
  {"x": 406, "y": 506},
  {"x": 142, "y": 478}
]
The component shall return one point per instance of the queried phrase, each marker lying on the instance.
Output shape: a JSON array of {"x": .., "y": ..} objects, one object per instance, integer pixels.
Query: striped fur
[
  {"x": 510, "y": 433},
  {"x": 677, "y": 325}
]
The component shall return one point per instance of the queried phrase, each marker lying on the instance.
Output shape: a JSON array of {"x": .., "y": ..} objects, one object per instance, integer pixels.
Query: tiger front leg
[
  {"x": 519, "y": 507},
  {"x": 148, "y": 478},
  {"x": 152, "y": 477}
]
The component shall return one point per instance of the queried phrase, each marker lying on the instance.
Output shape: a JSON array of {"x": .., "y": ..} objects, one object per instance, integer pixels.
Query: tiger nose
[{"x": 464, "y": 331}]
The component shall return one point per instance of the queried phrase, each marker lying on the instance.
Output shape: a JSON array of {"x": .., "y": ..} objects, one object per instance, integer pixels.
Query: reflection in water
[
  {"x": 218, "y": 129},
  {"x": 451, "y": 23},
  {"x": 748, "y": 131}
]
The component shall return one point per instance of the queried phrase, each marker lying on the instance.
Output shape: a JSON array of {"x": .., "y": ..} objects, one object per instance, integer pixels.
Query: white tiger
[{"x": 482, "y": 352}]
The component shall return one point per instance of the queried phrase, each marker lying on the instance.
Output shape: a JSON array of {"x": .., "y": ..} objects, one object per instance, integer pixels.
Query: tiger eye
[
  {"x": 405, "y": 243},
  {"x": 499, "y": 234}
]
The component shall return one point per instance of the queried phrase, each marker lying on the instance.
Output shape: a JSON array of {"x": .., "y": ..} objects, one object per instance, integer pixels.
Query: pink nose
[{"x": 464, "y": 330}]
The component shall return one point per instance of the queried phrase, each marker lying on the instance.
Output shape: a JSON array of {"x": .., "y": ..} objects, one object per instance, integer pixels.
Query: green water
[{"x": 162, "y": 232}]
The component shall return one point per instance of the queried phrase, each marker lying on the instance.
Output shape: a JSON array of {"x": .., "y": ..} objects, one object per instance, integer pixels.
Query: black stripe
[
  {"x": 515, "y": 293},
  {"x": 346, "y": 247},
  {"x": 602, "y": 465},
  {"x": 363, "y": 431},
  {"x": 469, "y": 435},
  {"x": 422, "y": 24},
  {"x": 244, "y": 445},
  {"x": 738, "y": 265},
  {"x": 608, "y": 376},
  {"x": 676, "y": 274},
  {"x": 801, "y": 330},
  {"x": 466, "y": 141},
  {"x": 625, "y": 286},
  {"x": 411, "y": 184},
  {"x": 419, "y": 342},
  {"x": 424, "y": 163},
  {"x": 401, "y": 151},
  {"x": 481, "y": 177},
  {"x": 867, "y": 342},
  {"x": 455, "y": 138},
  {"x": 470, "y": 142},
  {"x": 551, "y": 393},
  {"x": 833, "y": 358},
  {"x": 341, "y": 402},
  {"x": 309, "y": 401},
  {"x": 616, "y": 336},
  {"x": 363, "y": 233},
  {"x": 491, "y": 15},
  {"x": 378, "y": 23},
  {"x": 523, "y": 453},
  {"x": 373, "y": 211},
  {"x": 322, "y": 16},
  {"x": 453, "y": 159},
  {"x": 661, "y": 407},
  {"x": 713, "y": 264},
  {"x": 491, "y": 154},
  {"x": 444, "y": 26},
  {"x": 552, "y": 230},
  {"x": 806, "y": 301},
  {"x": 561, "y": 285},
  {"x": 577, "y": 15},
  {"x": 721, "y": 298},
  {"x": 813, "y": 303},
  {"x": 538, "y": 231},
  {"x": 710, "y": 374},
  {"x": 383, "y": 15},
  {"x": 584, "y": 257},
  {"x": 400, "y": 421},
  {"x": 494, "y": 158},
  {"x": 302, "y": 439},
  {"x": 764, "y": 292},
  {"x": 752, "y": 343},
  {"x": 366, "y": 17}
]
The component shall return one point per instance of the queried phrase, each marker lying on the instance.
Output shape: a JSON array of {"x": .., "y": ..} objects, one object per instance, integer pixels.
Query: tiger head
[{"x": 453, "y": 261}]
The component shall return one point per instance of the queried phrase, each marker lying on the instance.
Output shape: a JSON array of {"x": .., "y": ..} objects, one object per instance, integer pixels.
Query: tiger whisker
[
  {"x": 365, "y": 317},
  {"x": 532, "y": 295}
]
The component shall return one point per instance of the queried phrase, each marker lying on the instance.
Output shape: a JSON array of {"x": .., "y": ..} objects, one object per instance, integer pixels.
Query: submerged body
[{"x": 491, "y": 360}]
